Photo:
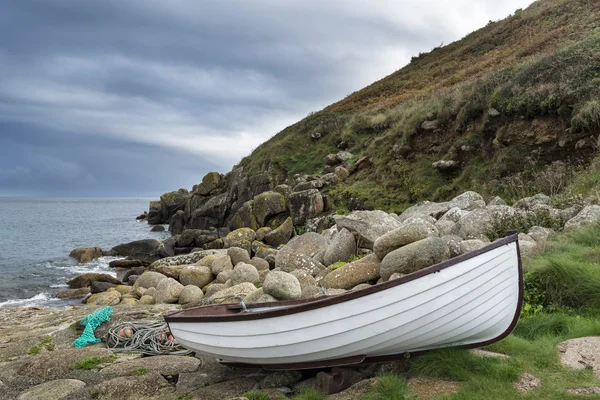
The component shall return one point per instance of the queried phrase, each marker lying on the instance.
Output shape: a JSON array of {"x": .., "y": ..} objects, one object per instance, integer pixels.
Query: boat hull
[{"x": 469, "y": 301}]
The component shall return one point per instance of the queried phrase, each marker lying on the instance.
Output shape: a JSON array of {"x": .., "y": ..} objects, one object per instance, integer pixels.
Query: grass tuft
[
  {"x": 254, "y": 395},
  {"x": 310, "y": 394},
  {"x": 389, "y": 387},
  {"x": 93, "y": 362},
  {"x": 139, "y": 372}
]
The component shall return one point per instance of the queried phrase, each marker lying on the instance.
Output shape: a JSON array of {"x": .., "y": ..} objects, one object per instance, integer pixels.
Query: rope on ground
[
  {"x": 146, "y": 337},
  {"x": 91, "y": 322}
]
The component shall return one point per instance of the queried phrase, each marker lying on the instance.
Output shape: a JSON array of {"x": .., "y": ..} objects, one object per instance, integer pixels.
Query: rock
[
  {"x": 467, "y": 246},
  {"x": 146, "y": 246},
  {"x": 414, "y": 257},
  {"x": 331, "y": 159},
  {"x": 177, "y": 222},
  {"x": 52, "y": 390},
  {"x": 239, "y": 236},
  {"x": 268, "y": 204},
  {"x": 467, "y": 201},
  {"x": 167, "y": 291},
  {"x": 280, "y": 235},
  {"x": 282, "y": 286},
  {"x": 104, "y": 299},
  {"x": 213, "y": 288},
  {"x": 454, "y": 214},
  {"x": 124, "y": 289},
  {"x": 361, "y": 287},
  {"x": 154, "y": 213},
  {"x": 146, "y": 299},
  {"x": 73, "y": 293},
  {"x": 280, "y": 379},
  {"x": 343, "y": 156},
  {"x": 243, "y": 289},
  {"x": 444, "y": 227},
  {"x": 142, "y": 216},
  {"x": 367, "y": 225},
  {"x": 304, "y": 278},
  {"x": 362, "y": 271},
  {"x": 244, "y": 273},
  {"x": 453, "y": 243},
  {"x": 425, "y": 208},
  {"x": 148, "y": 386},
  {"x": 222, "y": 263},
  {"x": 406, "y": 234},
  {"x": 172, "y": 271},
  {"x": 210, "y": 182},
  {"x": 492, "y": 112},
  {"x": 298, "y": 253},
  {"x": 166, "y": 248},
  {"x": 342, "y": 248},
  {"x": 539, "y": 234},
  {"x": 528, "y": 202},
  {"x": 157, "y": 228},
  {"x": 125, "y": 264},
  {"x": 588, "y": 215},
  {"x": 99, "y": 287},
  {"x": 244, "y": 217},
  {"x": 330, "y": 179},
  {"x": 316, "y": 184},
  {"x": 445, "y": 165},
  {"x": 476, "y": 223},
  {"x": 149, "y": 279},
  {"x": 305, "y": 205},
  {"x": 430, "y": 125},
  {"x": 259, "y": 296},
  {"x": 259, "y": 263},
  {"x": 86, "y": 279},
  {"x": 262, "y": 232},
  {"x": 211, "y": 213},
  {"x": 496, "y": 201},
  {"x": 527, "y": 382},
  {"x": 86, "y": 254},
  {"x": 585, "y": 391},
  {"x": 342, "y": 173},
  {"x": 581, "y": 353},
  {"x": 363, "y": 163},
  {"x": 129, "y": 302},
  {"x": 224, "y": 276},
  {"x": 172, "y": 202},
  {"x": 238, "y": 255},
  {"x": 196, "y": 275}
]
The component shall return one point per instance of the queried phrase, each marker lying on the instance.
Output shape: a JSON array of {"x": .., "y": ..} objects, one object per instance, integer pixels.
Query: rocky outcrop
[
  {"x": 305, "y": 205},
  {"x": 170, "y": 203},
  {"x": 268, "y": 204}
]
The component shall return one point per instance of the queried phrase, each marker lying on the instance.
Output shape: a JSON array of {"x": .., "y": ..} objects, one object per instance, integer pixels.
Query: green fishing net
[{"x": 91, "y": 322}]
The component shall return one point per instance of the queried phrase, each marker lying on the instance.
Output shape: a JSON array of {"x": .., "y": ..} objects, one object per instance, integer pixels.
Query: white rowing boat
[{"x": 471, "y": 301}]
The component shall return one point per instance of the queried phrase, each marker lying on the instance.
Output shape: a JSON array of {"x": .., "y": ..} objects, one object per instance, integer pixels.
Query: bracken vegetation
[{"x": 505, "y": 102}]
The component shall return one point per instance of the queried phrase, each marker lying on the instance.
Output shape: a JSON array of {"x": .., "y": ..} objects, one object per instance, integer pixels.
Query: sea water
[{"x": 37, "y": 235}]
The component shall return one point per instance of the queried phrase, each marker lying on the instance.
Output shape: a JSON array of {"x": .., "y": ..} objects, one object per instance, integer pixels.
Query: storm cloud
[{"x": 137, "y": 97}]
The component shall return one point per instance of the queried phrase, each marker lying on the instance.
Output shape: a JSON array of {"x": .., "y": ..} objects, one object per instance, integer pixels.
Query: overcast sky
[{"x": 137, "y": 97}]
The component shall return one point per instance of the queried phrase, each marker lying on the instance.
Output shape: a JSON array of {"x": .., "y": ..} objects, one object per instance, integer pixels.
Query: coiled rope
[{"x": 145, "y": 337}]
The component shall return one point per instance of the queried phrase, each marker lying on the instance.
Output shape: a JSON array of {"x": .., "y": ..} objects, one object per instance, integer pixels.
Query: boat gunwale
[{"x": 232, "y": 312}]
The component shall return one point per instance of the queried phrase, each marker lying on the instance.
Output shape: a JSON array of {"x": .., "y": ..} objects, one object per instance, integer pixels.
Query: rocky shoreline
[{"x": 264, "y": 241}]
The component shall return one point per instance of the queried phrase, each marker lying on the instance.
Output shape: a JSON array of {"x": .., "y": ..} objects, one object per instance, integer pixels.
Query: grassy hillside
[{"x": 539, "y": 69}]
